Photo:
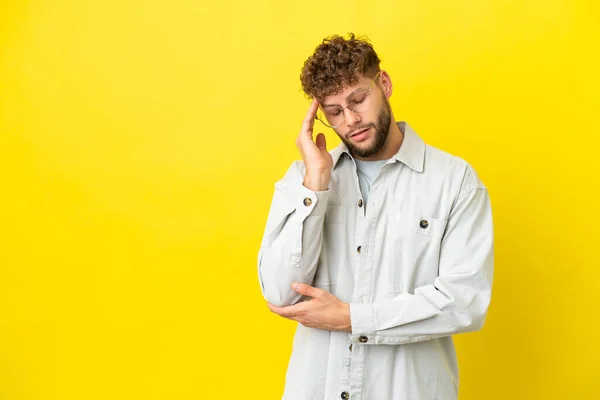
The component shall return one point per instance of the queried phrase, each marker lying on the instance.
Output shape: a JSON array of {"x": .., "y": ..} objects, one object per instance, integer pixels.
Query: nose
[{"x": 352, "y": 118}]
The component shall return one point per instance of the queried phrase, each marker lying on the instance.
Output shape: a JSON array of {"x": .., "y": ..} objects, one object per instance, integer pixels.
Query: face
[{"x": 364, "y": 133}]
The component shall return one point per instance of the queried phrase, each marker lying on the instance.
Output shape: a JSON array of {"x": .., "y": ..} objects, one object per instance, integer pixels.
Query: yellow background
[{"x": 140, "y": 141}]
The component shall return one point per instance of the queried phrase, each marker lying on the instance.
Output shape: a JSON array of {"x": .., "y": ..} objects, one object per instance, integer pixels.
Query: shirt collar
[{"x": 411, "y": 153}]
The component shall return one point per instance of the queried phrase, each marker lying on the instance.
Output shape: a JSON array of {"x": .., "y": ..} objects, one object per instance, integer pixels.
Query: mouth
[{"x": 360, "y": 135}]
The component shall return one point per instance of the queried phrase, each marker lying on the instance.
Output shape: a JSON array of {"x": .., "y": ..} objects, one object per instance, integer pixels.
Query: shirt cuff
[
  {"x": 362, "y": 317},
  {"x": 312, "y": 203}
]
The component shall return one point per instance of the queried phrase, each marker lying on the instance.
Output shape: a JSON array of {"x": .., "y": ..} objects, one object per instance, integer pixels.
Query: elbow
[
  {"x": 476, "y": 317},
  {"x": 471, "y": 317},
  {"x": 280, "y": 298},
  {"x": 480, "y": 317},
  {"x": 467, "y": 322},
  {"x": 276, "y": 294},
  {"x": 276, "y": 289},
  {"x": 477, "y": 323}
]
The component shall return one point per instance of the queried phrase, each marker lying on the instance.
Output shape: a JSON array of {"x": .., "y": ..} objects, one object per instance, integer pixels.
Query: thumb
[
  {"x": 305, "y": 289},
  {"x": 321, "y": 142}
]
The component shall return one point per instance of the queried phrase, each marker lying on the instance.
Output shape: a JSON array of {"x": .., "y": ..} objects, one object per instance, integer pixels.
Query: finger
[
  {"x": 286, "y": 312},
  {"x": 312, "y": 111},
  {"x": 321, "y": 142},
  {"x": 299, "y": 145},
  {"x": 309, "y": 120},
  {"x": 275, "y": 309},
  {"x": 306, "y": 290}
]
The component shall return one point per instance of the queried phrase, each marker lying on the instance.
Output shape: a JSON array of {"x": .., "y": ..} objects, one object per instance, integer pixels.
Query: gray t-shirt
[{"x": 367, "y": 172}]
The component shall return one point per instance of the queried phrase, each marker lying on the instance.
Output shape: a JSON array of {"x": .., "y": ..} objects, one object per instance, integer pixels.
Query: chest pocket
[
  {"x": 328, "y": 265},
  {"x": 417, "y": 240}
]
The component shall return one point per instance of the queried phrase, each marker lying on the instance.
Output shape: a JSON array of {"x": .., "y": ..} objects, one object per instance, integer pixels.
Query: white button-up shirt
[{"x": 416, "y": 268}]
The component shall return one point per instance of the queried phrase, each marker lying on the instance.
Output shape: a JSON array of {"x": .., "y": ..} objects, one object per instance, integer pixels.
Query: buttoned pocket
[
  {"x": 331, "y": 249},
  {"x": 415, "y": 258}
]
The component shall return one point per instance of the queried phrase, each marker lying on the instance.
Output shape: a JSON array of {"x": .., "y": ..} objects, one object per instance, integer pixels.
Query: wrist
[
  {"x": 347, "y": 325},
  {"x": 317, "y": 182}
]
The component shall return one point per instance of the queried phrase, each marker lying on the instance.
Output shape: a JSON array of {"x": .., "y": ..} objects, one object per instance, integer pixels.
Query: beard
[{"x": 382, "y": 130}]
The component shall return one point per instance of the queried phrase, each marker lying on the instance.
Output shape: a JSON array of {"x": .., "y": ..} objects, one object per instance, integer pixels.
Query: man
[{"x": 381, "y": 249}]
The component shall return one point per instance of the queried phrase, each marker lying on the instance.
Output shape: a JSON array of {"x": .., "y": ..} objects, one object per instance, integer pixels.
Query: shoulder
[{"x": 451, "y": 167}]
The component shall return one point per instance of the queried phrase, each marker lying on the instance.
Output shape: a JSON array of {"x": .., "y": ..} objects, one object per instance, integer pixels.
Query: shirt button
[
  {"x": 358, "y": 249},
  {"x": 307, "y": 202},
  {"x": 360, "y": 202},
  {"x": 345, "y": 395},
  {"x": 424, "y": 224},
  {"x": 363, "y": 339}
]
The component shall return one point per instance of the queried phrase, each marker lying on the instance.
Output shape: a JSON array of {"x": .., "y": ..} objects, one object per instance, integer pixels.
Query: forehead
[{"x": 337, "y": 98}]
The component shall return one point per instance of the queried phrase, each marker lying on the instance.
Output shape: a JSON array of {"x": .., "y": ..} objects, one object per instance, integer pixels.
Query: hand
[
  {"x": 322, "y": 311},
  {"x": 316, "y": 158}
]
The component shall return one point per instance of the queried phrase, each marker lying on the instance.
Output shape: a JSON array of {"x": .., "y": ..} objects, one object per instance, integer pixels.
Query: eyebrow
[{"x": 339, "y": 105}]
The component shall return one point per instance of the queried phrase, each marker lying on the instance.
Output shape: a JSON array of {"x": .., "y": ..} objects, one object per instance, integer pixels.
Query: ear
[{"x": 386, "y": 84}]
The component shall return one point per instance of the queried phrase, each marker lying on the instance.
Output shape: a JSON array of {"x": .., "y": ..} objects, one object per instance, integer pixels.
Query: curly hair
[{"x": 336, "y": 64}]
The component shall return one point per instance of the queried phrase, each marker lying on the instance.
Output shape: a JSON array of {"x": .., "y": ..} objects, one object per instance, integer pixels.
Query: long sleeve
[
  {"x": 292, "y": 238},
  {"x": 457, "y": 300}
]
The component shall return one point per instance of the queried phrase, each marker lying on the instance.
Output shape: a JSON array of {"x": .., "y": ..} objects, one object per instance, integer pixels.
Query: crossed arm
[
  {"x": 456, "y": 301},
  {"x": 322, "y": 311}
]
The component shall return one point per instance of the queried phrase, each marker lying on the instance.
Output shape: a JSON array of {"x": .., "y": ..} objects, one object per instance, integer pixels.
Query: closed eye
[
  {"x": 358, "y": 100},
  {"x": 334, "y": 112}
]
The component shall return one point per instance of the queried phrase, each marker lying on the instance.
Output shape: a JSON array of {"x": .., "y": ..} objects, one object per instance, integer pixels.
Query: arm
[
  {"x": 293, "y": 237},
  {"x": 457, "y": 300}
]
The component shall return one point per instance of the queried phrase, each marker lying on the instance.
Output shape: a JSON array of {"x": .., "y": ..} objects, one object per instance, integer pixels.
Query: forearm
[
  {"x": 292, "y": 243},
  {"x": 458, "y": 299},
  {"x": 441, "y": 309}
]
